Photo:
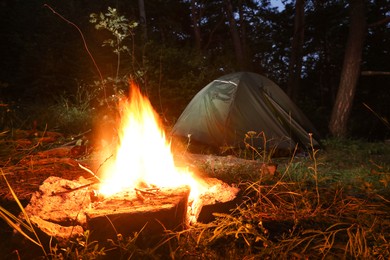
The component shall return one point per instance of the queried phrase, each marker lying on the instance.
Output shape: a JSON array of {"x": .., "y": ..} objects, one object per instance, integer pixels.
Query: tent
[{"x": 224, "y": 111}]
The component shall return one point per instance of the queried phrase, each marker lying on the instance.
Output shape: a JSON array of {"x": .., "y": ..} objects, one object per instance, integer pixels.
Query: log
[
  {"x": 224, "y": 167},
  {"x": 126, "y": 213}
]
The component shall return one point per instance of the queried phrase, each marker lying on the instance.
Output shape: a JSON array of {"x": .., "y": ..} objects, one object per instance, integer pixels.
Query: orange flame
[{"x": 143, "y": 156}]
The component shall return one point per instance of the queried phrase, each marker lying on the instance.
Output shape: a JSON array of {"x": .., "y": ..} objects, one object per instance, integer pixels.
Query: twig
[
  {"x": 104, "y": 162},
  {"x": 85, "y": 44},
  {"x": 89, "y": 171},
  {"x": 75, "y": 138},
  {"x": 73, "y": 189}
]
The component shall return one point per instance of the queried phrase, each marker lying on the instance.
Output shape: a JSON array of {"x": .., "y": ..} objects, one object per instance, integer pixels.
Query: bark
[
  {"x": 295, "y": 66},
  {"x": 350, "y": 71},
  {"x": 235, "y": 35}
]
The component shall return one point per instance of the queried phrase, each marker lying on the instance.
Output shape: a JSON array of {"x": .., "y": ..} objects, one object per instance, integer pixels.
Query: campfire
[
  {"x": 143, "y": 158},
  {"x": 138, "y": 186}
]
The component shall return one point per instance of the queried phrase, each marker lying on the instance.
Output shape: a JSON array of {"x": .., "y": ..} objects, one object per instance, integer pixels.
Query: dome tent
[{"x": 229, "y": 107}]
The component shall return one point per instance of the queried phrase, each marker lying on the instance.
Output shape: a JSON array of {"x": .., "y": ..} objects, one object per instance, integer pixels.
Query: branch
[
  {"x": 375, "y": 73},
  {"x": 380, "y": 22}
]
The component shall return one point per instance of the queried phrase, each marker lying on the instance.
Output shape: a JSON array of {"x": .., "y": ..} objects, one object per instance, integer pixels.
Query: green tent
[{"x": 231, "y": 106}]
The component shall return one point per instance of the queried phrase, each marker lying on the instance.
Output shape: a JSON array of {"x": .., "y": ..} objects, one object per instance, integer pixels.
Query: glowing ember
[{"x": 143, "y": 157}]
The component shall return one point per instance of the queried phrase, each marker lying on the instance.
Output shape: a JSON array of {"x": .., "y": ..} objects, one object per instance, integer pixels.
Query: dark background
[{"x": 46, "y": 71}]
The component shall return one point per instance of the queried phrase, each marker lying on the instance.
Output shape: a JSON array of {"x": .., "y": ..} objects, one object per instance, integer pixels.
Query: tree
[
  {"x": 238, "y": 47},
  {"x": 295, "y": 65},
  {"x": 350, "y": 71},
  {"x": 142, "y": 18}
]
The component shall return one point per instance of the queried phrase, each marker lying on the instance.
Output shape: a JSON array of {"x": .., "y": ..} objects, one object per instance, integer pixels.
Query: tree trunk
[
  {"x": 142, "y": 18},
  {"x": 243, "y": 37},
  {"x": 195, "y": 18},
  {"x": 350, "y": 71},
  {"x": 295, "y": 66},
  {"x": 235, "y": 35}
]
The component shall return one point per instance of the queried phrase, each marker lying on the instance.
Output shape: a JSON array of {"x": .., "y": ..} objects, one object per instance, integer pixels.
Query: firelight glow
[{"x": 143, "y": 157}]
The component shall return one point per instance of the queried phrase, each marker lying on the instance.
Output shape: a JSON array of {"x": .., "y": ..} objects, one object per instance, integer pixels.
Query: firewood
[{"x": 124, "y": 213}]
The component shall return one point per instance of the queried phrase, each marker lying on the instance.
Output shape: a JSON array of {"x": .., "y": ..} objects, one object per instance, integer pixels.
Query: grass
[
  {"x": 22, "y": 224},
  {"x": 332, "y": 204}
]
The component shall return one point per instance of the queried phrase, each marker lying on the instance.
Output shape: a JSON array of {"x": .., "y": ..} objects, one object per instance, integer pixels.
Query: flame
[{"x": 143, "y": 156}]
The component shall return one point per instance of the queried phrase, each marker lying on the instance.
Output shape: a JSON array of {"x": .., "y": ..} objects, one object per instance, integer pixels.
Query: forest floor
[{"x": 332, "y": 203}]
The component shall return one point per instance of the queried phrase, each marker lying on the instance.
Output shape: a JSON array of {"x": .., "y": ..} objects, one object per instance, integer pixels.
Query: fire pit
[
  {"x": 63, "y": 210},
  {"x": 139, "y": 186}
]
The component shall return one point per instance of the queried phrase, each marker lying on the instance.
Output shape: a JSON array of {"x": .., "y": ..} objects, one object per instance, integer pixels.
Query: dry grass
[{"x": 331, "y": 204}]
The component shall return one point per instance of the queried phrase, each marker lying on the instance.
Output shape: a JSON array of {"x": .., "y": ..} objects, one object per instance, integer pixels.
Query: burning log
[{"x": 128, "y": 212}]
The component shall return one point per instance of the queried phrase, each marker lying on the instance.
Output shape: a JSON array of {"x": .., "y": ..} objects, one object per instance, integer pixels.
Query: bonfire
[{"x": 138, "y": 186}]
